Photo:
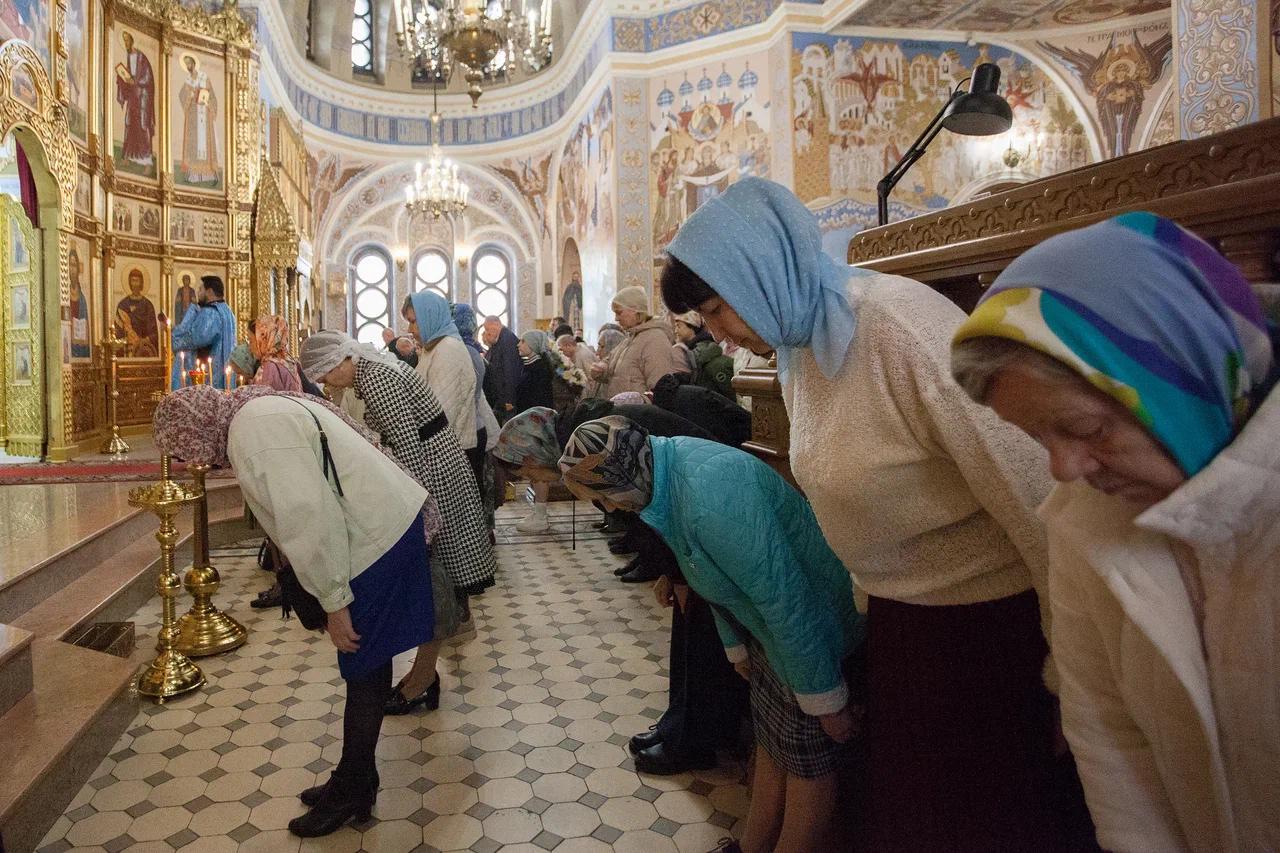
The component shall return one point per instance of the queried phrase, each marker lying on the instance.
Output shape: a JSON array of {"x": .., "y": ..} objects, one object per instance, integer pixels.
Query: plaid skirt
[{"x": 793, "y": 739}]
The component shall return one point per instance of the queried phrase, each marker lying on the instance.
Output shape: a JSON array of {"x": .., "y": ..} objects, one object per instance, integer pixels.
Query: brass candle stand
[
  {"x": 204, "y": 629},
  {"x": 172, "y": 673},
  {"x": 115, "y": 445}
]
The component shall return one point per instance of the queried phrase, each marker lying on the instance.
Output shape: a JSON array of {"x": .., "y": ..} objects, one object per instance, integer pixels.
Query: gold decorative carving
[{"x": 224, "y": 25}]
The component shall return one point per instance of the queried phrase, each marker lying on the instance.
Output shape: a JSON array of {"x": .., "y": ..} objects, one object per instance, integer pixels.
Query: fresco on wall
[
  {"x": 330, "y": 175},
  {"x": 857, "y": 105},
  {"x": 585, "y": 209},
  {"x": 1115, "y": 72},
  {"x": 27, "y": 20},
  {"x": 133, "y": 98},
  {"x": 997, "y": 15},
  {"x": 77, "y": 42},
  {"x": 197, "y": 82},
  {"x": 531, "y": 177},
  {"x": 704, "y": 136}
]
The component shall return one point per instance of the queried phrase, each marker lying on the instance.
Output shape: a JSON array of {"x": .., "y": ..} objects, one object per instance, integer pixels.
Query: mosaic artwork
[
  {"x": 585, "y": 205},
  {"x": 1116, "y": 71},
  {"x": 857, "y": 105},
  {"x": 711, "y": 131}
]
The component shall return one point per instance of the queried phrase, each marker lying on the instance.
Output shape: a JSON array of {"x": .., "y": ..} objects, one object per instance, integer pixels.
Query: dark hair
[
  {"x": 406, "y": 305},
  {"x": 558, "y": 318},
  {"x": 562, "y": 329},
  {"x": 253, "y": 327},
  {"x": 682, "y": 288},
  {"x": 212, "y": 282}
]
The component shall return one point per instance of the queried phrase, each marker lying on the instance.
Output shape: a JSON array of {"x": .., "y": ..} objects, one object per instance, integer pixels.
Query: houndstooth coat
[{"x": 397, "y": 405}]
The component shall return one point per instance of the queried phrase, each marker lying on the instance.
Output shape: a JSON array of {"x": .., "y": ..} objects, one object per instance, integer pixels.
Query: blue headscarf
[
  {"x": 773, "y": 272},
  {"x": 434, "y": 318},
  {"x": 464, "y": 318}
]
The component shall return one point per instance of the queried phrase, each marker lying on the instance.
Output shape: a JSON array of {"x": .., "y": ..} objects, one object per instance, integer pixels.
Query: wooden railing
[{"x": 1226, "y": 188}]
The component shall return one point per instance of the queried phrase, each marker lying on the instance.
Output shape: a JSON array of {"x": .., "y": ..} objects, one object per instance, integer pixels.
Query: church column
[
  {"x": 1220, "y": 84},
  {"x": 634, "y": 227}
]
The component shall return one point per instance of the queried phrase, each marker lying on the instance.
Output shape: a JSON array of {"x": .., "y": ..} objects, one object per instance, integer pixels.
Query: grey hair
[
  {"x": 976, "y": 362},
  {"x": 564, "y": 338}
]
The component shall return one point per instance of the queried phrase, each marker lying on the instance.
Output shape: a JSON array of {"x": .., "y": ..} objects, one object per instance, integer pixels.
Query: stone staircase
[{"x": 62, "y": 707}]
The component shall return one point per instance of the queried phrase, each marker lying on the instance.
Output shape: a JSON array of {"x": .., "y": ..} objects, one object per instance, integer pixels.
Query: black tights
[{"x": 357, "y": 771}]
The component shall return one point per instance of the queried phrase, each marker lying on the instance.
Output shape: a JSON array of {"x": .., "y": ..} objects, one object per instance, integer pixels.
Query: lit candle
[
  {"x": 184, "y": 378},
  {"x": 226, "y": 382}
]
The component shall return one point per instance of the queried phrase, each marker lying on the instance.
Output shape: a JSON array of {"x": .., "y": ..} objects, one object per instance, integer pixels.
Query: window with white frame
[
  {"x": 431, "y": 272},
  {"x": 370, "y": 294},
  {"x": 362, "y": 37},
  {"x": 491, "y": 284}
]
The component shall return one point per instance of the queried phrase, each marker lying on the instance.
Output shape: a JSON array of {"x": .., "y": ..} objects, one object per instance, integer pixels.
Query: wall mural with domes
[{"x": 708, "y": 127}]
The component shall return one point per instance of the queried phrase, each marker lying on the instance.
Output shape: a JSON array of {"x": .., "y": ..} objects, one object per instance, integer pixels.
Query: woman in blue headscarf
[
  {"x": 928, "y": 500},
  {"x": 464, "y": 318},
  {"x": 1140, "y": 358},
  {"x": 444, "y": 361}
]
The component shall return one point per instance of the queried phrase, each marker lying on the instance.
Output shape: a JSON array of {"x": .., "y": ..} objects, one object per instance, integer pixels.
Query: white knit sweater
[{"x": 927, "y": 497}]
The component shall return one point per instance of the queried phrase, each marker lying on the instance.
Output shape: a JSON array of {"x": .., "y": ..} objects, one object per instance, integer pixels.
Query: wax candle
[
  {"x": 183, "y": 384},
  {"x": 226, "y": 382}
]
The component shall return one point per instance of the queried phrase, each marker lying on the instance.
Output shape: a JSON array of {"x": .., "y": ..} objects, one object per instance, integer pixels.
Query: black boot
[
  {"x": 664, "y": 760},
  {"x": 339, "y": 805},
  {"x": 267, "y": 599},
  {"x": 399, "y": 704},
  {"x": 312, "y": 796}
]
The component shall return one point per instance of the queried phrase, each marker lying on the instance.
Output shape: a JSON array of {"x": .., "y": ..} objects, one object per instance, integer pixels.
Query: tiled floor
[{"x": 527, "y": 752}]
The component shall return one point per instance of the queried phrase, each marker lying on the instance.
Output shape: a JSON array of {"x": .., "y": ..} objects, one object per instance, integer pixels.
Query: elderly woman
[
  {"x": 925, "y": 496},
  {"x": 243, "y": 364},
  {"x": 352, "y": 525},
  {"x": 782, "y": 601},
  {"x": 270, "y": 346},
  {"x": 707, "y": 700},
  {"x": 444, "y": 362},
  {"x": 610, "y": 338},
  {"x": 402, "y": 409},
  {"x": 645, "y": 356},
  {"x": 1138, "y": 356}
]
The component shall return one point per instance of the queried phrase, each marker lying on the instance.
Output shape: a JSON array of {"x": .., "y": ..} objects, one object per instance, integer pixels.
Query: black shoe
[
  {"x": 615, "y": 525},
  {"x": 331, "y": 814},
  {"x": 727, "y": 845},
  {"x": 627, "y": 568},
  {"x": 640, "y": 575},
  {"x": 312, "y": 796},
  {"x": 267, "y": 599},
  {"x": 661, "y": 760},
  {"x": 399, "y": 704},
  {"x": 639, "y": 743},
  {"x": 622, "y": 545},
  {"x": 601, "y": 524}
]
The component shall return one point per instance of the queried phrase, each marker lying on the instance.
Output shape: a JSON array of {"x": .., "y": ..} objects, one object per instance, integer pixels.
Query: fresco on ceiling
[
  {"x": 27, "y": 20},
  {"x": 330, "y": 175},
  {"x": 585, "y": 208},
  {"x": 531, "y": 176},
  {"x": 998, "y": 15},
  {"x": 708, "y": 130},
  {"x": 1115, "y": 72}
]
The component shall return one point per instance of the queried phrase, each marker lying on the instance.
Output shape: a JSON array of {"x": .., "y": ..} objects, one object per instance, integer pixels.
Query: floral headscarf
[
  {"x": 270, "y": 338},
  {"x": 326, "y": 349},
  {"x": 611, "y": 456},
  {"x": 629, "y": 398},
  {"x": 529, "y": 437},
  {"x": 192, "y": 424}
]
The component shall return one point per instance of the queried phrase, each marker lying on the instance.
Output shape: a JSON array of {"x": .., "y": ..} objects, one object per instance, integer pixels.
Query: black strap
[
  {"x": 325, "y": 455},
  {"x": 434, "y": 427}
]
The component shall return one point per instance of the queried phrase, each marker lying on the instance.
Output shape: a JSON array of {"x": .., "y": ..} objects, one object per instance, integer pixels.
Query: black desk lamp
[{"x": 977, "y": 112}]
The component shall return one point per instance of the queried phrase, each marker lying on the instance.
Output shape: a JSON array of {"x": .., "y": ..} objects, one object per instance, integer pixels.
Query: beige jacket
[
  {"x": 274, "y": 448},
  {"x": 1166, "y": 632},
  {"x": 642, "y": 359},
  {"x": 447, "y": 369}
]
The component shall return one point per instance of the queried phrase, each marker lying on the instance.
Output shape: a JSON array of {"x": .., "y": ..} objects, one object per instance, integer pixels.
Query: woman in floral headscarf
[
  {"x": 1140, "y": 358},
  {"x": 270, "y": 346},
  {"x": 356, "y": 529}
]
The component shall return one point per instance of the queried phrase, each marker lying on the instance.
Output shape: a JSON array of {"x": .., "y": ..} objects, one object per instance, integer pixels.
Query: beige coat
[
  {"x": 1166, "y": 632},
  {"x": 642, "y": 359}
]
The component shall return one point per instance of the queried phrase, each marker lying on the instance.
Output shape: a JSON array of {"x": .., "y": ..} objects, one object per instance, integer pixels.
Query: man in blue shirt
[{"x": 207, "y": 330}]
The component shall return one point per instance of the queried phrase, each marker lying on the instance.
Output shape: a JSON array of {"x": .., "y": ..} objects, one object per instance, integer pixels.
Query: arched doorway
[
  {"x": 570, "y": 305},
  {"x": 36, "y": 374}
]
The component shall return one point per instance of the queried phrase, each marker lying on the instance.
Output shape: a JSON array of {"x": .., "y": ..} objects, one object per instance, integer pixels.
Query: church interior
[{"x": 335, "y": 165}]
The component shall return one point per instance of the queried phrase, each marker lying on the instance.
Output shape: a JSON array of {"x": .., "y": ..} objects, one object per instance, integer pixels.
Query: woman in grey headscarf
[{"x": 403, "y": 410}]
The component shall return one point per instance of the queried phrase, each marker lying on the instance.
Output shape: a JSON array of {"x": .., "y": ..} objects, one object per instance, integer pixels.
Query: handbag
[{"x": 293, "y": 596}]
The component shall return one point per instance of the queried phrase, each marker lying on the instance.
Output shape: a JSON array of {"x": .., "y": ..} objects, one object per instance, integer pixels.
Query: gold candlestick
[
  {"x": 172, "y": 673},
  {"x": 115, "y": 445},
  {"x": 204, "y": 629}
]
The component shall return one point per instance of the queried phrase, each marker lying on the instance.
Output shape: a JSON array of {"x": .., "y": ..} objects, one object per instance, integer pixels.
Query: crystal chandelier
[
  {"x": 488, "y": 39},
  {"x": 436, "y": 190}
]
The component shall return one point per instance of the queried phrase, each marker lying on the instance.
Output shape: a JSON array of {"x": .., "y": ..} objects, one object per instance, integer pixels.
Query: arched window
[
  {"x": 362, "y": 37},
  {"x": 370, "y": 294},
  {"x": 431, "y": 272},
  {"x": 491, "y": 284}
]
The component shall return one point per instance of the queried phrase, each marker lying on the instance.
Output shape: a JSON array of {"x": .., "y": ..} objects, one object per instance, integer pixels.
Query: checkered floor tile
[{"x": 527, "y": 752}]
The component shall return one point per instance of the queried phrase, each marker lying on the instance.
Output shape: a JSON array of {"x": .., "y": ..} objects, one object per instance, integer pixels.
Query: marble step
[{"x": 15, "y": 666}]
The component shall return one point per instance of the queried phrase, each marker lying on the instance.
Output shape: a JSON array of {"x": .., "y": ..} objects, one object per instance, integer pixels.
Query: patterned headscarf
[
  {"x": 629, "y": 398},
  {"x": 1148, "y": 313},
  {"x": 270, "y": 338},
  {"x": 464, "y": 318},
  {"x": 773, "y": 272},
  {"x": 433, "y": 317},
  {"x": 326, "y": 349},
  {"x": 529, "y": 437},
  {"x": 242, "y": 359},
  {"x": 611, "y": 456},
  {"x": 192, "y": 424}
]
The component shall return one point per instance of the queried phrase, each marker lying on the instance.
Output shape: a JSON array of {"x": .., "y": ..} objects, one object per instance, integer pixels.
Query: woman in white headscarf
[{"x": 404, "y": 411}]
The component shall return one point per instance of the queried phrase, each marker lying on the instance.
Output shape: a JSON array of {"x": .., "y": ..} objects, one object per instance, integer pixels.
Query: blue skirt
[{"x": 393, "y": 609}]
